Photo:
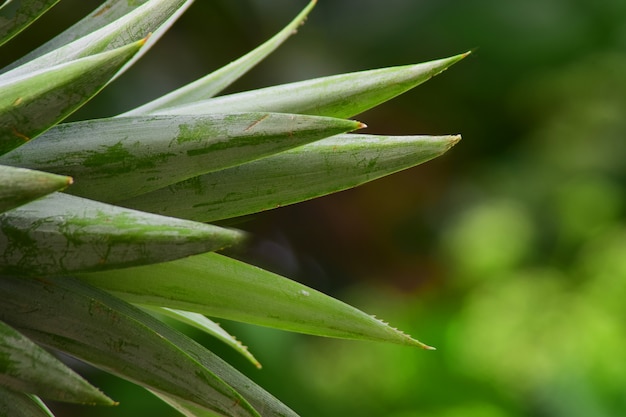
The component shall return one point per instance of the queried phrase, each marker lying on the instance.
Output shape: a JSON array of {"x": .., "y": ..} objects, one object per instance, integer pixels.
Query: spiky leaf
[
  {"x": 208, "y": 86},
  {"x": 137, "y": 24},
  {"x": 26, "y": 367},
  {"x": 146, "y": 153},
  {"x": 106, "y": 13},
  {"x": 31, "y": 104},
  {"x": 303, "y": 173},
  {"x": 60, "y": 233},
  {"x": 213, "y": 285},
  {"x": 115, "y": 336},
  {"x": 344, "y": 95},
  {"x": 187, "y": 410},
  {"x": 208, "y": 326},
  {"x": 19, "y": 186}
]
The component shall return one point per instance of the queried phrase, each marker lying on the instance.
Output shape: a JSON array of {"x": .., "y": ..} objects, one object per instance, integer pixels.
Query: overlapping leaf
[
  {"x": 19, "y": 186},
  {"x": 213, "y": 83},
  {"x": 152, "y": 17},
  {"x": 146, "y": 153},
  {"x": 26, "y": 367},
  {"x": 106, "y": 13},
  {"x": 344, "y": 95},
  {"x": 208, "y": 326},
  {"x": 187, "y": 410},
  {"x": 310, "y": 171},
  {"x": 60, "y": 233},
  {"x": 212, "y": 166},
  {"x": 31, "y": 104},
  {"x": 15, "y": 16},
  {"x": 18, "y": 404},
  {"x": 219, "y": 286},
  {"x": 115, "y": 336},
  {"x": 241, "y": 190}
]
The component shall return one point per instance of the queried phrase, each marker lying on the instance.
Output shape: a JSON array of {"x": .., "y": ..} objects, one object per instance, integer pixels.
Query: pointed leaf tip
[
  {"x": 271, "y": 300},
  {"x": 48, "y": 96},
  {"x": 319, "y": 168},
  {"x": 59, "y": 234},
  {"x": 185, "y": 147},
  {"x": 343, "y": 95},
  {"x": 211, "y": 84},
  {"x": 143, "y": 41},
  {"x": 20, "y": 186},
  {"x": 454, "y": 139}
]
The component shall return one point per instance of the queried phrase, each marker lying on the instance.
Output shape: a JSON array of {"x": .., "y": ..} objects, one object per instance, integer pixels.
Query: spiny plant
[{"x": 108, "y": 225}]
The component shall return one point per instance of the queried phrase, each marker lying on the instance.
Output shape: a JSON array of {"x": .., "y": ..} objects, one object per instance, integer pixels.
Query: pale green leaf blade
[
  {"x": 208, "y": 326},
  {"x": 26, "y": 367},
  {"x": 218, "y": 286},
  {"x": 145, "y": 153},
  {"x": 16, "y": 16},
  {"x": 169, "y": 14},
  {"x": 32, "y": 104},
  {"x": 17, "y": 404},
  {"x": 115, "y": 336},
  {"x": 343, "y": 96},
  {"x": 186, "y": 410},
  {"x": 19, "y": 186},
  {"x": 60, "y": 233},
  {"x": 138, "y": 24},
  {"x": 300, "y": 174},
  {"x": 106, "y": 13},
  {"x": 213, "y": 83}
]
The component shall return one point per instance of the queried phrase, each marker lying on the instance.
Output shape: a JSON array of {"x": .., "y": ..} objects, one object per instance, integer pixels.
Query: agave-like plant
[{"x": 105, "y": 225}]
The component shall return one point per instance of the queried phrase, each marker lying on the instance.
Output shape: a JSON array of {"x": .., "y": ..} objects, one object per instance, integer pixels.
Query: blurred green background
[{"x": 508, "y": 254}]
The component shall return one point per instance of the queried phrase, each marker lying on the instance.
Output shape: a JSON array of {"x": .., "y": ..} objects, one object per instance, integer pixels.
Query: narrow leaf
[
  {"x": 213, "y": 285},
  {"x": 106, "y": 13},
  {"x": 343, "y": 96},
  {"x": 210, "y": 85},
  {"x": 61, "y": 233},
  {"x": 146, "y": 153},
  {"x": 186, "y": 410},
  {"x": 17, "y": 404},
  {"x": 19, "y": 186},
  {"x": 117, "y": 337},
  {"x": 26, "y": 367},
  {"x": 16, "y": 16},
  {"x": 208, "y": 326},
  {"x": 137, "y": 24},
  {"x": 32, "y": 104},
  {"x": 303, "y": 173}
]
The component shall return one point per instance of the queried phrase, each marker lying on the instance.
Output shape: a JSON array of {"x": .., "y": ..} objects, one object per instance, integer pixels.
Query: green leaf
[
  {"x": 26, "y": 367},
  {"x": 146, "y": 153},
  {"x": 138, "y": 24},
  {"x": 106, "y": 13},
  {"x": 186, "y": 410},
  {"x": 213, "y": 83},
  {"x": 17, "y": 404},
  {"x": 19, "y": 186},
  {"x": 219, "y": 286},
  {"x": 119, "y": 338},
  {"x": 16, "y": 16},
  {"x": 31, "y": 104},
  {"x": 303, "y": 173},
  {"x": 343, "y": 96},
  {"x": 208, "y": 326},
  {"x": 59, "y": 233}
]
